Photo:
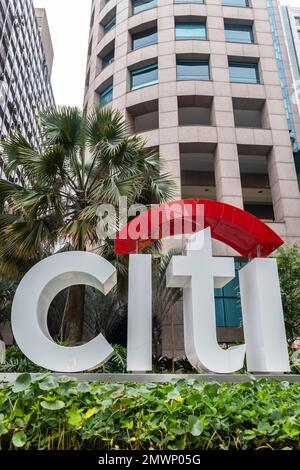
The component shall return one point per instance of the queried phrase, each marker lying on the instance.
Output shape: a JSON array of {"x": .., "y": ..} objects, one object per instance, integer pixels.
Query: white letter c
[{"x": 32, "y": 301}]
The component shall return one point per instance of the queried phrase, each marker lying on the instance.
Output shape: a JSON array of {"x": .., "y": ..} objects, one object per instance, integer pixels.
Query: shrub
[
  {"x": 42, "y": 413},
  {"x": 17, "y": 362},
  {"x": 289, "y": 273}
]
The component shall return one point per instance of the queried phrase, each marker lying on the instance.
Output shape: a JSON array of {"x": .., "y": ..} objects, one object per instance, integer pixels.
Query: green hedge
[{"x": 42, "y": 413}]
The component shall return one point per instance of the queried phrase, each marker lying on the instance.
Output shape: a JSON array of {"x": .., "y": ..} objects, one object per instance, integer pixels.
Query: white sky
[
  {"x": 69, "y": 25},
  {"x": 69, "y": 22}
]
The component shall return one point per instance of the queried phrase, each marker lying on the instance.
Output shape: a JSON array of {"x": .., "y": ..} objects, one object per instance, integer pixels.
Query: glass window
[
  {"x": 144, "y": 76},
  {"x": 108, "y": 25},
  {"x": 228, "y": 308},
  {"x": 144, "y": 38},
  {"x": 236, "y": 3},
  {"x": 192, "y": 69},
  {"x": 190, "y": 30},
  {"x": 297, "y": 19},
  {"x": 108, "y": 58},
  {"x": 141, "y": 5},
  {"x": 106, "y": 96},
  {"x": 239, "y": 33},
  {"x": 243, "y": 72}
]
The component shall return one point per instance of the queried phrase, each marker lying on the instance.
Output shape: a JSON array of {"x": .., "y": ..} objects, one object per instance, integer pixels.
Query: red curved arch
[{"x": 242, "y": 231}]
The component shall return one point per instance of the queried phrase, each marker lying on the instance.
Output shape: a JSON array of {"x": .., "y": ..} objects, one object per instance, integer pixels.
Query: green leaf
[
  {"x": 173, "y": 395},
  {"x": 91, "y": 412},
  {"x": 75, "y": 418},
  {"x": 22, "y": 383},
  {"x": 195, "y": 426},
  {"x": 19, "y": 439},
  {"x": 127, "y": 425},
  {"x": 53, "y": 405},
  {"x": 83, "y": 387},
  {"x": 48, "y": 384}
]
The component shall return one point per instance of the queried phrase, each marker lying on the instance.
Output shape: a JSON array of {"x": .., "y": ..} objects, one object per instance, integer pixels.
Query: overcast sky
[
  {"x": 69, "y": 25},
  {"x": 69, "y": 22}
]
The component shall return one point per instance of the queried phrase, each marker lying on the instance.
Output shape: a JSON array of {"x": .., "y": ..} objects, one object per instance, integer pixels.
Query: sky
[
  {"x": 69, "y": 22},
  {"x": 69, "y": 25}
]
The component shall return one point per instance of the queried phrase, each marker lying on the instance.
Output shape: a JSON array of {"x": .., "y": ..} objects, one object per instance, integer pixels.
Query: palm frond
[
  {"x": 26, "y": 241},
  {"x": 16, "y": 147},
  {"x": 63, "y": 126},
  {"x": 158, "y": 189},
  {"x": 105, "y": 124},
  {"x": 113, "y": 188},
  {"x": 9, "y": 189}
]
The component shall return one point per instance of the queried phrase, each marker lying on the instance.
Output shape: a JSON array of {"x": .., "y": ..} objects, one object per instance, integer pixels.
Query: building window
[
  {"x": 144, "y": 76},
  {"x": 244, "y": 72},
  {"x": 228, "y": 309},
  {"x": 193, "y": 69},
  {"x": 108, "y": 25},
  {"x": 297, "y": 19},
  {"x": 190, "y": 30},
  {"x": 235, "y": 3},
  {"x": 141, "y": 5},
  {"x": 144, "y": 38},
  {"x": 239, "y": 33},
  {"x": 106, "y": 96},
  {"x": 108, "y": 58}
]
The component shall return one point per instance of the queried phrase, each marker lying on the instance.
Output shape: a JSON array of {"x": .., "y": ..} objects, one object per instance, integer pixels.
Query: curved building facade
[{"x": 205, "y": 82}]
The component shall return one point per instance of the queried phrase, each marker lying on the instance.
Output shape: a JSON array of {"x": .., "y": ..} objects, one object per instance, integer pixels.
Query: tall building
[
  {"x": 291, "y": 22},
  {"x": 209, "y": 84},
  {"x": 45, "y": 34},
  {"x": 25, "y": 66}
]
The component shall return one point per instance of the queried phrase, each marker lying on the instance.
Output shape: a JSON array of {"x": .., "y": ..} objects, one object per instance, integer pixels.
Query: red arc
[{"x": 242, "y": 231}]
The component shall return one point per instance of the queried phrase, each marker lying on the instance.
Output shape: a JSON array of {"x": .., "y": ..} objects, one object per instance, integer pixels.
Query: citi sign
[{"x": 198, "y": 273}]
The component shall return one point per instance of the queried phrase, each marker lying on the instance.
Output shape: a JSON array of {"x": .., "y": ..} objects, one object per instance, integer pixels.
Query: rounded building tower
[{"x": 206, "y": 82}]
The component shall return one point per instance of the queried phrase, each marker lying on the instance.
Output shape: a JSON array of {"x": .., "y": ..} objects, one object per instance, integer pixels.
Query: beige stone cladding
[{"x": 222, "y": 137}]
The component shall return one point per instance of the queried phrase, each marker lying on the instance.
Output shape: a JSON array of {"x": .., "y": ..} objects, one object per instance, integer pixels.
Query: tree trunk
[
  {"x": 157, "y": 346},
  {"x": 74, "y": 314}
]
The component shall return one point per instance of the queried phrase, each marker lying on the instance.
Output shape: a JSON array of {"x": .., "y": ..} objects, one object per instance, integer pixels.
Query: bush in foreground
[{"x": 41, "y": 413}]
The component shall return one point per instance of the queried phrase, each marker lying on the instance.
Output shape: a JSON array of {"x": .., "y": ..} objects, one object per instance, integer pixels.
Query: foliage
[
  {"x": 294, "y": 360},
  {"x": 51, "y": 197},
  {"x": 289, "y": 273},
  {"x": 164, "y": 298},
  {"x": 17, "y": 362},
  {"x": 7, "y": 292},
  {"x": 117, "y": 363},
  {"x": 44, "y": 413},
  {"x": 84, "y": 162},
  {"x": 165, "y": 365}
]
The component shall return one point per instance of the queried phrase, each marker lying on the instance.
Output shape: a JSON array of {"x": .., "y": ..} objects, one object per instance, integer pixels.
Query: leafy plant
[
  {"x": 166, "y": 365},
  {"x": 294, "y": 360},
  {"x": 83, "y": 162},
  {"x": 17, "y": 362},
  {"x": 289, "y": 273},
  {"x": 7, "y": 291},
  {"x": 118, "y": 362},
  {"x": 44, "y": 413}
]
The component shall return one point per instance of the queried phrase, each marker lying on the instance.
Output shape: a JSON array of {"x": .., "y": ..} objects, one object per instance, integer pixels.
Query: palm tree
[{"x": 51, "y": 197}]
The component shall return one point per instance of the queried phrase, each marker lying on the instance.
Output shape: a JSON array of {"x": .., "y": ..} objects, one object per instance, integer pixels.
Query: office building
[
  {"x": 209, "y": 84},
  {"x": 26, "y": 56}
]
